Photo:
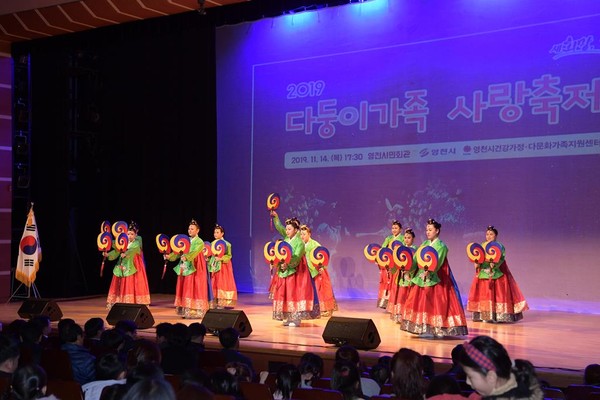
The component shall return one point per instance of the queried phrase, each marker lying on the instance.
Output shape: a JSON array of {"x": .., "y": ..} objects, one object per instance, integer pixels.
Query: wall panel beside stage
[
  {"x": 5, "y": 173},
  {"x": 472, "y": 113}
]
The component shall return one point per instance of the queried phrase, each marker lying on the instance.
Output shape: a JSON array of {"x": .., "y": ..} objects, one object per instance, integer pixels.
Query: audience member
[
  {"x": 591, "y": 375},
  {"x": 240, "y": 371},
  {"x": 230, "y": 340},
  {"x": 113, "y": 341},
  {"x": 44, "y": 322},
  {"x": 176, "y": 357},
  {"x": 443, "y": 387},
  {"x": 31, "y": 348},
  {"x": 311, "y": 369},
  {"x": 150, "y": 389},
  {"x": 144, "y": 352},
  {"x": 407, "y": 375},
  {"x": 368, "y": 386},
  {"x": 491, "y": 373},
  {"x": 345, "y": 378},
  {"x": 456, "y": 369},
  {"x": 9, "y": 355},
  {"x": 222, "y": 382},
  {"x": 162, "y": 333},
  {"x": 197, "y": 333},
  {"x": 428, "y": 366},
  {"x": 134, "y": 375},
  {"x": 82, "y": 361},
  {"x": 92, "y": 330},
  {"x": 28, "y": 383},
  {"x": 194, "y": 391},
  {"x": 288, "y": 379},
  {"x": 109, "y": 371},
  {"x": 380, "y": 373}
]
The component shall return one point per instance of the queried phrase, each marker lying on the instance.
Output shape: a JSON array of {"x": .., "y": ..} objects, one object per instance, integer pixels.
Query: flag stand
[{"x": 30, "y": 289}]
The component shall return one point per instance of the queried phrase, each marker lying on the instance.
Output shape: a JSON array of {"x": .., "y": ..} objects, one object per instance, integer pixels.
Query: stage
[{"x": 559, "y": 344}]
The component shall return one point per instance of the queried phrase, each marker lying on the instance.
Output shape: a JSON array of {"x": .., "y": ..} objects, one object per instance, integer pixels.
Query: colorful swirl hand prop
[
  {"x": 218, "y": 248},
  {"x": 493, "y": 251},
  {"x": 180, "y": 244},
  {"x": 121, "y": 242},
  {"x": 104, "y": 241},
  {"x": 475, "y": 253},
  {"x": 118, "y": 228},
  {"x": 162, "y": 242},
  {"x": 105, "y": 226},
  {"x": 385, "y": 258},
  {"x": 395, "y": 244},
  {"x": 269, "y": 252},
  {"x": 273, "y": 201},
  {"x": 371, "y": 251},
  {"x": 206, "y": 250},
  {"x": 427, "y": 258},
  {"x": 403, "y": 257},
  {"x": 283, "y": 252},
  {"x": 319, "y": 257}
]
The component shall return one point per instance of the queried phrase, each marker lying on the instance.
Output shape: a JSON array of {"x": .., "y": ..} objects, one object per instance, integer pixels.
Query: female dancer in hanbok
[
  {"x": 402, "y": 281},
  {"x": 221, "y": 273},
  {"x": 129, "y": 283},
  {"x": 327, "y": 302},
  {"x": 385, "y": 277},
  {"x": 495, "y": 295},
  {"x": 433, "y": 306},
  {"x": 293, "y": 297},
  {"x": 191, "y": 292}
]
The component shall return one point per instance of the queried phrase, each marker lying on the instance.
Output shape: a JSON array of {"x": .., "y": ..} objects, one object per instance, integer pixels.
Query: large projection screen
[{"x": 474, "y": 113}]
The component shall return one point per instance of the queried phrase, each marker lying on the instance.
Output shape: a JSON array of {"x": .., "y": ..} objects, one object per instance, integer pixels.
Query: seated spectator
[
  {"x": 428, "y": 366},
  {"x": 93, "y": 329},
  {"x": 288, "y": 379},
  {"x": 150, "y": 389},
  {"x": 222, "y": 382},
  {"x": 380, "y": 373},
  {"x": 162, "y": 333},
  {"x": 9, "y": 355},
  {"x": 31, "y": 348},
  {"x": 144, "y": 352},
  {"x": 28, "y": 383},
  {"x": 193, "y": 391},
  {"x": 113, "y": 341},
  {"x": 134, "y": 375},
  {"x": 176, "y": 357},
  {"x": 591, "y": 375},
  {"x": 240, "y": 371},
  {"x": 230, "y": 340},
  {"x": 109, "y": 371},
  {"x": 368, "y": 386},
  {"x": 407, "y": 375},
  {"x": 14, "y": 328},
  {"x": 129, "y": 328},
  {"x": 345, "y": 378},
  {"x": 82, "y": 361},
  {"x": 197, "y": 333},
  {"x": 443, "y": 387},
  {"x": 456, "y": 369},
  {"x": 311, "y": 369},
  {"x": 44, "y": 323}
]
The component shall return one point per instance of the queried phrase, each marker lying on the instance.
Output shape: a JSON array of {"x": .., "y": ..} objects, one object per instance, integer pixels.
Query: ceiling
[{"x": 22, "y": 20}]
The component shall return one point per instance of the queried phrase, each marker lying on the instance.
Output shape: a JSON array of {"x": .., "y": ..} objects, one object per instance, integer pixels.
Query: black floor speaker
[
  {"x": 217, "y": 320},
  {"x": 34, "y": 307},
  {"x": 137, "y": 313},
  {"x": 357, "y": 332}
]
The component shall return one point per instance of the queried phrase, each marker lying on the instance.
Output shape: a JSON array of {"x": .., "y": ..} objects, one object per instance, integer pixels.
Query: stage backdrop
[{"x": 470, "y": 112}]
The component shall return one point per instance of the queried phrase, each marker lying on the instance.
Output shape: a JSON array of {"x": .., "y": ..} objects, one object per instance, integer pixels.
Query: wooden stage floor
[{"x": 555, "y": 341}]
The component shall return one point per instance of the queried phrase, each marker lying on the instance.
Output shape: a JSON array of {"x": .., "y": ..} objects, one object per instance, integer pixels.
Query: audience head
[
  {"x": 70, "y": 332},
  {"x": 380, "y": 373},
  {"x": 93, "y": 328},
  {"x": 14, "y": 328},
  {"x": 487, "y": 365},
  {"x": 288, "y": 379},
  {"x": 28, "y": 382},
  {"x": 31, "y": 332},
  {"x": 591, "y": 376},
  {"x": 112, "y": 339},
  {"x": 127, "y": 326},
  {"x": 311, "y": 368},
  {"x": 229, "y": 338},
  {"x": 179, "y": 335},
  {"x": 9, "y": 353},
  {"x": 162, "y": 332},
  {"x": 241, "y": 371},
  {"x": 407, "y": 374},
  {"x": 109, "y": 366},
  {"x": 197, "y": 332},
  {"x": 345, "y": 378},
  {"x": 194, "y": 391},
  {"x": 44, "y": 322},
  {"x": 442, "y": 384},
  {"x": 347, "y": 353},
  {"x": 150, "y": 389},
  {"x": 428, "y": 366},
  {"x": 144, "y": 371},
  {"x": 144, "y": 352},
  {"x": 222, "y": 382}
]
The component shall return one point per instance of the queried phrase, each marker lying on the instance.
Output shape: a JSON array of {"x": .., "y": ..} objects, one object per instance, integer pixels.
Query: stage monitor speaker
[
  {"x": 217, "y": 320},
  {"x": 137, "y": 313},
  {"x": 34, "y": 307},
  {"x": 357, "y": 332}
]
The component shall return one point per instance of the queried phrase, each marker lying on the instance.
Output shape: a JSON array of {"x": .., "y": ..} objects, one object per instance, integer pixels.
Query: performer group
[{"x": 416, "y": 284}]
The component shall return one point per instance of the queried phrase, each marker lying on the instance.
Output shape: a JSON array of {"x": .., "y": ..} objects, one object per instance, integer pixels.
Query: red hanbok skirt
[
  {"x": 191, "y": 292},
  {"x": 293, "y": 296},
  {"x": 398, "y": 295},
  {"x": 385, "y": 285},
  {"x": 223, "y": 286},
  {"x": 130, "y": 289},
  {"x": 327, "y": 302},
  {"x": 435, "y": 310},
  {"x": 498, "y": 300}
]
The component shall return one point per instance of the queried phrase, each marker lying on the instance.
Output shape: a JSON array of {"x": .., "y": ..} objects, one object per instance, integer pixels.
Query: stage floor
[{"x": 549, "y": 339}]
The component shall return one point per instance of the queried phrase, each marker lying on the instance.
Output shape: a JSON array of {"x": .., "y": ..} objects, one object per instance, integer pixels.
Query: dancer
[
  {"x": 385, "y": 277},
  {"x": 293, "y": 297},
  {"x": 402, "y": 281},
  {"x": 129, "y": 282},
  {"x": 327, "y": 302},
  {"x": 433, "y": 306},
  {"x": 495, "y": 295},
  {"x": 191, "y": 293},
  {"x": 221, "y": 273},
  {"x": 492, "y": 374}
]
